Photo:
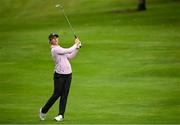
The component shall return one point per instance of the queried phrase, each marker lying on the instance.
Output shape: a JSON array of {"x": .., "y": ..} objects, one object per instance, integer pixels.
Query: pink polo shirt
[{"x": 61, "y": 57}]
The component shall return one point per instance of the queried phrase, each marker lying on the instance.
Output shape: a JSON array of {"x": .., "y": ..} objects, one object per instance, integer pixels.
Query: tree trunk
[{"x": 142, "y": 5}]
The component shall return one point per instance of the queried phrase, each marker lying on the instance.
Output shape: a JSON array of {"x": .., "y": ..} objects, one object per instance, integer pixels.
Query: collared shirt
[{"x": 61, "y": 57}]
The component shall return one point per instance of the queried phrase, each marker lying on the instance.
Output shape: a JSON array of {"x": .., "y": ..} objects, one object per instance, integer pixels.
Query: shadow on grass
[{"x": 125, "y": 11}]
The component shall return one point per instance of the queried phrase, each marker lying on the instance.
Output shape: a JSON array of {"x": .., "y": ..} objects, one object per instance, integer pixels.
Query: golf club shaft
[
  {"x": 70, "y": 26},
  {"x": 69, "y": 23}
]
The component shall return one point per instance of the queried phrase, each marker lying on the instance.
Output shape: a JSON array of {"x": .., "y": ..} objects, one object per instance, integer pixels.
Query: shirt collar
[{"x": 53, "y": 46}]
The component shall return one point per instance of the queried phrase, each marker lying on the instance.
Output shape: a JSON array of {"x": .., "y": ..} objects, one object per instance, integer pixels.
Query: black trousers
[{"x": 61, "y": 89}]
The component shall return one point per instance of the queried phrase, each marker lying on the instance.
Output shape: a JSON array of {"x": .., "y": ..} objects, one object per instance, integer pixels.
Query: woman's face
[{"x": 55, "y": 41}]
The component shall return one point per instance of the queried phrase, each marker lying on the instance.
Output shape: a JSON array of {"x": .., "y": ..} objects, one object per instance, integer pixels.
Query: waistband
[{"x": 55, "y": 73}]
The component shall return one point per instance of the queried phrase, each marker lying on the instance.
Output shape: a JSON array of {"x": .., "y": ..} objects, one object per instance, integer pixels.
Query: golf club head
[{"x": 59, "y": 6}]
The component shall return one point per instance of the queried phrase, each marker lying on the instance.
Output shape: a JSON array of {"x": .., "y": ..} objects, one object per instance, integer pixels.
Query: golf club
[{"x": 70, "y": 26}]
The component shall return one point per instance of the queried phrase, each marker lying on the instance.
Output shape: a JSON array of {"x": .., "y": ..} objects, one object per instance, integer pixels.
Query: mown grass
[{"x": 126, "y": 72}]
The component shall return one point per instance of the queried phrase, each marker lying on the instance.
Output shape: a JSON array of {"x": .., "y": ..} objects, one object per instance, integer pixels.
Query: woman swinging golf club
[{"x": 62, "y": 75}]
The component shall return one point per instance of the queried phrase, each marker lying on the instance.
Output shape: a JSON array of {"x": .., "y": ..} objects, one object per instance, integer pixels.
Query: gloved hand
[{"x": 78, "y": 42}]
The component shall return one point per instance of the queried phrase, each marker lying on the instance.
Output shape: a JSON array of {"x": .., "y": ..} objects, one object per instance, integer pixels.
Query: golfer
[{"x": 62, "y": 75}]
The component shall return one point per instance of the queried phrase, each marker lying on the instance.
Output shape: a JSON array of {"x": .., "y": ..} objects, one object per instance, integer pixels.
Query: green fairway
[{"x": 128, "y": 70}]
